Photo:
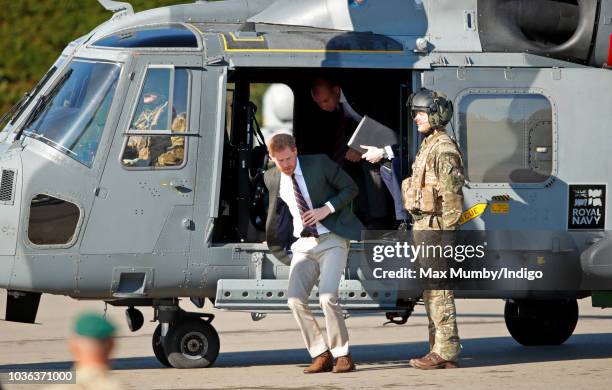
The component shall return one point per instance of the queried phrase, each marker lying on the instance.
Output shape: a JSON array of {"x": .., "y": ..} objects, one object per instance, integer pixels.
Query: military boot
[{"x": 432, "y": 361}]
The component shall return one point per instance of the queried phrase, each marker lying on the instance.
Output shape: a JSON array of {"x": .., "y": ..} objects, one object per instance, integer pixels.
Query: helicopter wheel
[
  {"x": 192, "y": 343},
  {"x": 541, "y": 322},
  {"x": 158, "y": 348}
]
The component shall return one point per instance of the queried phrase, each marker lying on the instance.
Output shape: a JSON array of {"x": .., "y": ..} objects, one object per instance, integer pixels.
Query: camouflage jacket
[{"x": 435, "y": 186}]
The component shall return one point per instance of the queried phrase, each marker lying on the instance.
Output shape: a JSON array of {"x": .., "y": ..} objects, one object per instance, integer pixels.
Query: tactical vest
[{"x": 421, "y": 191}]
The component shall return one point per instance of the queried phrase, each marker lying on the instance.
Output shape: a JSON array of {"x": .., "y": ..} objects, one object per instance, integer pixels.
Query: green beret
[{"x": 94, "y": 326}]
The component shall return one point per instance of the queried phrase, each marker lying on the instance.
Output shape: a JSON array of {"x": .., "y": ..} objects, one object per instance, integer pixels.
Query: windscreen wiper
[
  {"x": 42, "y": 102},
  {"x": 15, "y": 108},
  {"x": 15, "y": 112},
  {"x": 34, "y": 113}
]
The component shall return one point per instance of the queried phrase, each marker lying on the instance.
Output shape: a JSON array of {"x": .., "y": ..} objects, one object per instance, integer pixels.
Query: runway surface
[{"x": 269, "y": 354}]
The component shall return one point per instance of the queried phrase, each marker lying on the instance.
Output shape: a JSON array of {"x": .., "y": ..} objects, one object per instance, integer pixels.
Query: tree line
[{"x": 33, "y": 33}]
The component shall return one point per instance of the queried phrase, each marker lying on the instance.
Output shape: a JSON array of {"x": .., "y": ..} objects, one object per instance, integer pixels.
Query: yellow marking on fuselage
[
  {"x": 304, "y": 50},
  {"x": 256, "y": 39}
]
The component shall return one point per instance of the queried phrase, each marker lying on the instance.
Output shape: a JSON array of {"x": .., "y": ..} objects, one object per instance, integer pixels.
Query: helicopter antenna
[{"x": 120, "y": 8}]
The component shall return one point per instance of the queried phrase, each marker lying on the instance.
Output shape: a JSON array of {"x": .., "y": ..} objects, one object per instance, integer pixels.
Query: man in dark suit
[
  {"x": 331, "y": 126},
  {"x": 308, "y": 199}
]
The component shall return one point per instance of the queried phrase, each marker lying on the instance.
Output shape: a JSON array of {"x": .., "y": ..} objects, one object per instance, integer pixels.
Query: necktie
[{"x": 309, "y": 231}]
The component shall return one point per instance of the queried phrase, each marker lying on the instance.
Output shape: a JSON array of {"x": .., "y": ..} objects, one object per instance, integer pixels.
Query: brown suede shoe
[
  {"x": 344, "y": 364},
  {"x": 322, "y": 363},
  {"x": 431, "y": 361}
]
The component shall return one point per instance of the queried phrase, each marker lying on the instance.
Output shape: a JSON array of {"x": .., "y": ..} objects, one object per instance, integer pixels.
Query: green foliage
[{"x": 33, "y": 33}]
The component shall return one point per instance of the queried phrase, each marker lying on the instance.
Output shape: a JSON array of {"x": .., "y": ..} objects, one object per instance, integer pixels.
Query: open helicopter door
[
  {"x": 521, "y": 132},
  {"x": 212, "y": 260},
  {"x": 143, "y": 211}
]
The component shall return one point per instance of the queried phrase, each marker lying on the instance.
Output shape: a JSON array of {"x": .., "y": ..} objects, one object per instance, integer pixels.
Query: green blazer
[{"x": 326, "y": 182}]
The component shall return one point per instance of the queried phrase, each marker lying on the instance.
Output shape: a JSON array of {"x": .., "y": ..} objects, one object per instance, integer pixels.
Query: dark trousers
[
  {"x": 371, "y": 203},
  {"x": 393, "y": 183}
]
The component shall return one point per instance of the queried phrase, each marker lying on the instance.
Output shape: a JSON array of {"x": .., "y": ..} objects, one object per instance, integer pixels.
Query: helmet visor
[{"x": 415, "y": 110}]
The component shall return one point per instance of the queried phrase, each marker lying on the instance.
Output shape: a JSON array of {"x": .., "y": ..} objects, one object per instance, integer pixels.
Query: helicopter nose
[
  {"x": 3, "y": 146},
  {"x": 10, "y": 196},
  {"x": 10, "y": 204}
]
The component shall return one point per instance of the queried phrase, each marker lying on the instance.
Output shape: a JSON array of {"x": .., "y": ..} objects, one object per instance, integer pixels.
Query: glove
[{"x": 373, "y": 154}]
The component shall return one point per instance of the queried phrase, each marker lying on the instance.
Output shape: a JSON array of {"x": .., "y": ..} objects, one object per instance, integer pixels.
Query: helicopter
[{"x": 130, "y": 174}]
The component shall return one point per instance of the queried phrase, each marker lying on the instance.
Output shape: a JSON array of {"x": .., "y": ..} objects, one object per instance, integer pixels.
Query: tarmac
[{"x": 269, "y": 354}]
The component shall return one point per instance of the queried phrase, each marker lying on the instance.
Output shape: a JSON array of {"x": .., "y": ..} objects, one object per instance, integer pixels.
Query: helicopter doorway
[{"x": 380, "y": 94}]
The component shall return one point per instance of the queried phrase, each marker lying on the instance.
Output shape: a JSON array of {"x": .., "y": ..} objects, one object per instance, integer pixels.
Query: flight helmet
[{"x": 437, "y": 106}]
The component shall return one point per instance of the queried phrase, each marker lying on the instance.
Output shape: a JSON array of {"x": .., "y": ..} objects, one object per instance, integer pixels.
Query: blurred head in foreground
[{"x": 92, "y": 341}]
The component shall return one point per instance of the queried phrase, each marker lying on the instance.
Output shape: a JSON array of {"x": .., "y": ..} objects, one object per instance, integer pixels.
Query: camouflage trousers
[{"x": 440, "y": 307}]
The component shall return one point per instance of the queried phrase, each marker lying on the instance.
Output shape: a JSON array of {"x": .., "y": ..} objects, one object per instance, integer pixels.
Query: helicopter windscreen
[
  {"x": 71, "y": 116},
  {"x": 13, "y": 114}
]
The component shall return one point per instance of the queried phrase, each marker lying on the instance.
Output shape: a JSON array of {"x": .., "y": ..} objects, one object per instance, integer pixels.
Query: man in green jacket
[{"x": 308, "y": 199}]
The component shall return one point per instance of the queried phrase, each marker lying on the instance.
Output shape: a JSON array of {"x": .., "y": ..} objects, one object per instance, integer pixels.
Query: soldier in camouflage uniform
[
  {"x": 149, "y": 147},
  {"x": 175, "y": 154},
  {"x": 434, "y": 198}
]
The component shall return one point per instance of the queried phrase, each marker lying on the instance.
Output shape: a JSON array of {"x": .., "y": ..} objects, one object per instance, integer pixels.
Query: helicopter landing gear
[
  {"x": 541, "y": 322},
  {"x": 184, "y": 339},
  {"x": 158, "y": 347},
  {"x": 192, "y": 343},
  {"x": 134, "y": 318}
]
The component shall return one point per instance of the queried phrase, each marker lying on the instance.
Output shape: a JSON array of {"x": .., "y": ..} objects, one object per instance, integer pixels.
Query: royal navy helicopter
[{"x": 129, "y": 173}]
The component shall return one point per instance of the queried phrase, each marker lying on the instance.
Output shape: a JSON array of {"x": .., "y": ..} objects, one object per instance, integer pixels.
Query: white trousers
[{"x": 323, "y": 258}]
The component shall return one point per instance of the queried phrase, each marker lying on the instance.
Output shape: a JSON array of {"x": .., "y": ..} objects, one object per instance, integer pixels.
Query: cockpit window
[
  {"x": 155, "y": 136},
  {"x": 172, "y": 35},
  {"x": 19, "y": 108},
  {"x": 71, "y": 116},
  {"x": 152, "y": 110}
]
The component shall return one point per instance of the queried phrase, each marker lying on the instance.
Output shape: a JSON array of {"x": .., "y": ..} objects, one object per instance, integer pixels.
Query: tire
[
  {"x": 541, "y": 322},
  {"x": 192, "y": 343},
  {"x": 158, "y": 348},
  {"x": 134, "y": 318}
]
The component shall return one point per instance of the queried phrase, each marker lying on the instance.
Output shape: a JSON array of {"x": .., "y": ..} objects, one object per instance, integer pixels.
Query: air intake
[
  {"x": 7, "y": 186},
  {"x": 561, "y": 29}
]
